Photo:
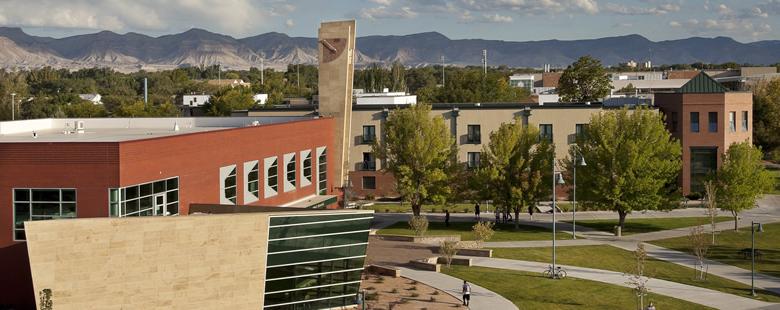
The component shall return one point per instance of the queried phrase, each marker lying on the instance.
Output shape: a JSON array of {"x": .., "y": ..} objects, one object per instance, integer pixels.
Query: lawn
[
  {"x": 504, "y": 232},
  {"x": 532, "y": 291},
  {"x": 730, "y": 242},
  {"x": 645, "y": 225},
  {"x": 611, "y": 258},
  {"x": 397, "y": 207}
]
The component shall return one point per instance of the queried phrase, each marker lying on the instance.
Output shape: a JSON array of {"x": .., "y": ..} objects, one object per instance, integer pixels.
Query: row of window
[
  {"x": 712, "y": 121},
  {"x": 474, "y": 133},
  {"x": 229, "y": 176},
  {"x": 36, "y": 204},
  {"x": 160, "y": 197}
]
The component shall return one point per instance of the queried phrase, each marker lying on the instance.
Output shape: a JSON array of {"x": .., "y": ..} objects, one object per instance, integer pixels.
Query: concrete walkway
[
  {"x": 703, "y": 296},
  {"x": 481, "y": 298}
]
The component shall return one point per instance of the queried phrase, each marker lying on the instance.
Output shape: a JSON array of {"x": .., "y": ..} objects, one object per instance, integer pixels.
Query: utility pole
[
  {"x": 484, "y": 61},
  {"x": 219, "y": 75},
  {"x": 298, "y": 77},
  {"x": 146, "y": 92},
  {"x": 262, "y": 71},
  {"x": 442, "y": 70},
  {"x": 13, "y": 105}
]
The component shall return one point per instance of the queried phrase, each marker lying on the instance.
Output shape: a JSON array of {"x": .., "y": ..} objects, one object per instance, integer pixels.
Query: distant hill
[{"x": 197, "y": 47}]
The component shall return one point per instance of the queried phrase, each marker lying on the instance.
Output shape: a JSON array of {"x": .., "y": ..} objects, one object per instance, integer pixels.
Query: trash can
[{"x": 618, "y": 231}]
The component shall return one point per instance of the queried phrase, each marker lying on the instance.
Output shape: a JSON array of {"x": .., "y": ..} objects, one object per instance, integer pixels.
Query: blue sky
[{"x": 513, "y": 20}]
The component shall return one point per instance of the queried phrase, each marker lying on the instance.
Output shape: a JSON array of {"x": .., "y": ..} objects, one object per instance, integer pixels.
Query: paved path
[
  {"x": 481, "y": 298},
  {"x": 703, "y": 296}
]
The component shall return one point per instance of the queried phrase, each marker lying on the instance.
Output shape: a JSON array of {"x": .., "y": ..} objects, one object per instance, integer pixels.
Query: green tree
[
  {"x": 633, "y": 162},
  {"x": 741, "y": 179},
  {"x": 583, "y": 81},
  {"x": 420, "y": 152},
  {"x": 85, "y": 109},
  {"x": 516, "y": 167},
  {"x": 229, "y": 100},
  {"x": 766, "y": 115}
]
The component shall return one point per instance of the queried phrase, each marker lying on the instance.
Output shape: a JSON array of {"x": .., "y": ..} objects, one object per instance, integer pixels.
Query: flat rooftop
[{"x": 124, "y": 129}]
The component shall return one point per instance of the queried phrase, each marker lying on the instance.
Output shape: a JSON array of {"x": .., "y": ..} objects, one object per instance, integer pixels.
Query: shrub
[
  {"x": 414, "y": 295},
  {"x": 370, "y": 197},
  {"x": 372, "y": 296},
  {"x": 465, "y": 210},
  {"x": 394, "y": 291},
  {"x": 419, "y": 224},
  {"x": 448, "y": 249},
  {"x": 483, "y": 231},
  {"x": 387, "y": 210},
  {"x": 435, "y": 293}
]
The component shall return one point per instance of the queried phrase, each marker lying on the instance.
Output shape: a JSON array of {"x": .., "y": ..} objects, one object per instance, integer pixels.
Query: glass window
[
  {"x": 322, "y": 172},
  {"x": 712, "y": 121},
  {"x": 744, "y": 120},
  {"x": 160, "y": 197},
  {"x": 704, "y": 161},
  {"x": 229, "y": 184},
  {"x": 369, "y": 162},
  {"x": 33, "y": 204},
  {"x": 580, "y": 130},
  {"x": 473, "y": 160},
  {"x": 307, "y": 167},
  {"x": 369, "y": 182},
  {"x": 474, "y": 135},
  {"x": 291, "y": 171},
  {"x": 272, "y": 176},
  {"x": 694, "y": 121},
  {"x": 733, "y": 121},
  {"x": 674, "y": 122},
  {"x": 546, "y": 132},
  {"x": 253, "y": 180},
  {"x": 369, "y": 134}
]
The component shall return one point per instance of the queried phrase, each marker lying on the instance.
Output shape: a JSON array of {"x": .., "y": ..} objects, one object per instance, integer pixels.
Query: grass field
[
  {"x": 645, "y": 225},
  {"x": 776, "y": 174},
  {"x": 729, "y": 243},
  {"x": 456, "y": 208},
  {"x": 532, "y": 291},
  {"x": 504, "y": 232},
  {"x": 615, "y": 259}
]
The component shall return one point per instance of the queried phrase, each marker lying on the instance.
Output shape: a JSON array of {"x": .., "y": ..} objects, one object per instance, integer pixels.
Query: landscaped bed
[
  {"x": 504, "y": 232},
  {"x": 645, "y": 225},
  {"x": 730, "y": 244},
  {"x": 611, "y": 258},
  {"x": 532, "y": 291}
]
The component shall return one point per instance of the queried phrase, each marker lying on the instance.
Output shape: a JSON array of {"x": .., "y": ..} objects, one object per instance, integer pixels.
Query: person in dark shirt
[{"x": 447, "y": 218}]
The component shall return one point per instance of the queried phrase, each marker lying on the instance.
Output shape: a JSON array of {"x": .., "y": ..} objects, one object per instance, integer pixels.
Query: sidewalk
[
  {"x": 481, "y": 298},
  {"x": 693, "y": 294}
]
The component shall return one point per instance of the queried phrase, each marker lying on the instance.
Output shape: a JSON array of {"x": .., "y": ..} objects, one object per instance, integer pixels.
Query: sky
[{"x": 511, "y": 20}]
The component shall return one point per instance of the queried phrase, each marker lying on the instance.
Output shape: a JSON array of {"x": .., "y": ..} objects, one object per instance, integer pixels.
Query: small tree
[
  {"x": 710, "y": 191},
  {"x": 742, "y": 179},
  {"x": 448, "y": 249},
  {"x": 700, "y": 246},
  {"x": 637, "y": 278},
  {"x": 418, "y": 223},
  {"x": 583, "y": 81},
  {"x": 483, "y": 231}
]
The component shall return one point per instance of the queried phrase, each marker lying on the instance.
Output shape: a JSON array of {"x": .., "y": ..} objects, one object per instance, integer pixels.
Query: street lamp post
[
  {"x": 581, "y": 162},
  {"x": 753, "y": 230},
  {"x": 13, "y": 105},
  {"x": 557, "y": 180}
]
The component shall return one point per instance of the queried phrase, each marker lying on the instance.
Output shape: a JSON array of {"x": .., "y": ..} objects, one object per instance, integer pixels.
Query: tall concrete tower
[{"x": 336, "y": 72}]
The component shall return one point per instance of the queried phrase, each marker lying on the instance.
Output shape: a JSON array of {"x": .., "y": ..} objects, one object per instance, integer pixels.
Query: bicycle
[{"x": 559, "y": 273}]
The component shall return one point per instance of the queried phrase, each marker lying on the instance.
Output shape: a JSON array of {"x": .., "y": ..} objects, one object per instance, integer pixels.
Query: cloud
[
  {"x": 728, "y": 26},
  {"x": 383, "y": 12},
  {"x": 533, "y": 7},
  {"x": 771, "y": 7},
  {"x": 466, "y": 17},
  {"x": 234, "y": 17},
  {"x": 660, "y": 9},
  {"x": 289, "y": 23},
  {"x": 383, "y": 2}
]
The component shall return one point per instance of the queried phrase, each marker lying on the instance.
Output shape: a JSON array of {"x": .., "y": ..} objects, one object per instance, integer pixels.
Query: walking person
[
  {"x": 476, "y": 210},
  {"x": 498, "y": 216},
  {"x": 466, "y": 293},
  {"x": 651, "y": 306},
  {"x": 447, "y": 218},
  {"x": 531, "y": 212}
]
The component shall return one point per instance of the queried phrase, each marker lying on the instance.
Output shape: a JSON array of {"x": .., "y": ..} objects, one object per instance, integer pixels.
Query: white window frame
[
  {"x": 289, "y": 185},
  {"x": 225, "y": 173},
  {"x": 306, "y": 179},
  {"x": 270, "y": 190},
  {"x": 319, "y": 152},
  {"x": 249, "y": 167}
]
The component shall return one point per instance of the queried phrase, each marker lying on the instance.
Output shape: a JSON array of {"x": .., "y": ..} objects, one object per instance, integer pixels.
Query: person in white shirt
[{"x": 466, "y": 293}]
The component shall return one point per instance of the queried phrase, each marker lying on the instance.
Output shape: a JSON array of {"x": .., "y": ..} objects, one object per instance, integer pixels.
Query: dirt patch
[{"x": 401, "y": 293}]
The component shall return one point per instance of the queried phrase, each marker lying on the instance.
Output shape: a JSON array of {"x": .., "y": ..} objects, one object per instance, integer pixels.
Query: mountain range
[{"x": 198, "y": 47}]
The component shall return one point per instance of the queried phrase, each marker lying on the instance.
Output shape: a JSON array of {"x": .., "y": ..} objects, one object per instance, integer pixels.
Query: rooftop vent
[{"x": 80, "y": 127}]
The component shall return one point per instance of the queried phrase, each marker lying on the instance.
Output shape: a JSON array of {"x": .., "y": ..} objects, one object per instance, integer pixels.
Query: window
[
  {"x": 322, "y": 170},
  {"x": 369, "y": 162},
  {"x": 704, "y": 161},
  {"x": 289, "y": 172},
  {"x": 252, "y": 177},
  {"x": 228, "y": 184},
  {"x": 369, "y": 134},
  {"x": 733, "y": 121},
  {"x": 674, "y": 122},
  {"x": 271, "y": 176},
  {"x": 156, "y": 198},
  {"x": 546, "y": 132},
  {"x": 713, "y": 121},
  {"x": 694, "y": 121},
  {"x": 580, "y": 130},
  {"x": 474, "y": 135},
  {"x": 306, "y": 168},
  {"x": 473, "y": 160},
  {"x": 744, "y": 120},
  {"x": 37, "y": 204},
  {"x": 369, "y": 182}
]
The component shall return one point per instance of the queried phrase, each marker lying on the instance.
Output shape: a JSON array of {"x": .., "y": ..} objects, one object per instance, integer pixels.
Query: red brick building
[
  {"x": 707, "y": 119},
  {"x": 67, "y": 168}
]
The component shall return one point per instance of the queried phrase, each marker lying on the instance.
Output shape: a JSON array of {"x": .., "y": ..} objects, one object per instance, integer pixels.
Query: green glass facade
[{"x": 315, "y": 261}]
